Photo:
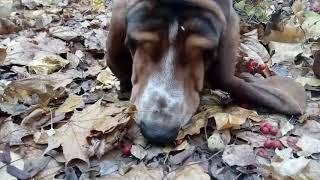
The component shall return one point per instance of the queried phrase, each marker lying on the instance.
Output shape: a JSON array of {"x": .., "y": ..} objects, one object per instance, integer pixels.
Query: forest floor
[{"x": 60, "y": 117}]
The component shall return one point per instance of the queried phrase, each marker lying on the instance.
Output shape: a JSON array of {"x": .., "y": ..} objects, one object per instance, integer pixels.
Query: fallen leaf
[
  {"x": 254, "y": 139},
  {"x": 240, "y": 155},
  {"x": 107, "y": 78},
  {"x": 7, "y": 27},
  {"x": 44, "y": 64},
  {"x": 284, "y": 154},
  {"x": 307, "y": 80},
  {"x": 190, "y": 173},
  {"x": 311, "y": 25},
  {"x": 138, "y": 152},
  {"x": 289, "y": 167},
  {"x": 308, "y": 145},
  {"x": 12, "y": 108},
  {"x": 198, "y": 121},
  {"x": 285, "y": 127},
  {"x": 95, "y": 39},
  {"x": 140, "y": 171},
  {"x": 312, "y": 171},
  {"x": 253, "y": 49},
  {"x": 71, "y": 103},
  {"x": 215, "y": 142},
  {"x": 12, "y": 133},
  {"x": 182, "y": 156},
  {"x": 34, "y": 166},
  {"x": 65, "y": 32},
  {"x": 108, "y": 167},
  {"x": 3, "y": 54},
  {"x": 185, "y": 145},
  {"x": 233, "y": 117},
  {"x": 50, "y": 170},
  {"x": 97, "y": 119},
  {"x": 309, "y": 128},
  {"x": 226, "y": 120},
  {"x": 16, "y": 161},
  {"x": 291, "y": 51}
]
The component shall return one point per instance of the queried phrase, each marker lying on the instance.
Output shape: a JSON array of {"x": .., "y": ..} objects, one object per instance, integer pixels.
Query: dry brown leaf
[
  {"x": 39, "y": 89},
  {"x": 96, "y": 119},
  {"x": 240, "y": 155},
  {"x": 12, "y": 133},
  {"x": 198, "y": 121},
  {"x": 50, "y": 170},
  {"x": 191, "y": 172},
  {"x": 254, "y": 139},
  {"x": 3, "y": 54},
  {"x": 185, "y": 145},
  {"x": 233, "y": 117},
  {"x": 308, "y": 145},
  {"x": 291, "y": 51},
  {"x": 71, "y": 103},
  {"x": 310, "y": 128},
  {"x": 291, "y": 33},
  {"x": 253, "y": 49},
  {"x": 140, "y": 172},
  {"x": 7, "y": 27},
  {"x": 44, "y": 64},
  {"x": 65, "y": 32}
]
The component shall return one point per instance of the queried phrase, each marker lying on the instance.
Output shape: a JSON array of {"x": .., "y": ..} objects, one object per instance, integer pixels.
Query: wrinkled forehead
[{"x": 160, "y": 15}]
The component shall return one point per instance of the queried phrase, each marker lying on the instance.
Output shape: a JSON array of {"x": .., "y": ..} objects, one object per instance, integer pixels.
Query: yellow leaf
[
  {"x": 71, "y": 103},
  {"x": 45, "y": 64},
  {"x": 199, "y": 121}
]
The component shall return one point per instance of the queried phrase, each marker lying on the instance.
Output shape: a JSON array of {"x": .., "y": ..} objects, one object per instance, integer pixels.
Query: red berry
[
  {"x": 250, "y": 69},
  {"x": 262, "y": 153},
  {"x": 264, "y": 130},
  {"x": 268, "y": 144},
  {"x": 268, "y": 125},
  {"x": 179, "y": 141},
  {"x": 262, "y": 67},
  {"x": 251, "y": 167},
  {"x": 276, "y": 145},
  {"x": 126, "y": 149},
  {"x": 273, "y": 131}
]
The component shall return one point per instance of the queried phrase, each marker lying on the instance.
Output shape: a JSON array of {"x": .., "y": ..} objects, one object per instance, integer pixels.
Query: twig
[{"x": 237, "y": 176}]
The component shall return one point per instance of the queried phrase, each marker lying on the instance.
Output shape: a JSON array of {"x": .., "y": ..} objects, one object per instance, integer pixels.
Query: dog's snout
[{"x": 159, "y": 133}]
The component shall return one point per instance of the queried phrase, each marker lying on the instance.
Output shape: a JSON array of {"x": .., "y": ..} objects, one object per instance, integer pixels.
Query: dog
[{"x": 163, "y": 51}]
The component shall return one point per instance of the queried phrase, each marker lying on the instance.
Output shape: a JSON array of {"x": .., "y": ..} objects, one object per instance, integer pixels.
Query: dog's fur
[{"x": 164, "y": 51}]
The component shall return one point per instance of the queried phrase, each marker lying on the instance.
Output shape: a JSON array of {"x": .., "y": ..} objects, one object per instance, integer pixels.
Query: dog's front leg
[{"x": 280, "y": 94}]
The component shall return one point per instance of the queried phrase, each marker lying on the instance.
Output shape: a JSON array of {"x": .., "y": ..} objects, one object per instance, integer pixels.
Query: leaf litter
[{"x": 61, "y": 119}]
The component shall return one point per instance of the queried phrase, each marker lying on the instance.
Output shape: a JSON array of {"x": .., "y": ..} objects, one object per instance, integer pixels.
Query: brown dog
[{"x": 164, "y": 51}]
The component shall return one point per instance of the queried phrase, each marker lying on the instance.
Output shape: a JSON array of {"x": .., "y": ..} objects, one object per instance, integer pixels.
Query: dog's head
[{"x": 171, "y": 43}]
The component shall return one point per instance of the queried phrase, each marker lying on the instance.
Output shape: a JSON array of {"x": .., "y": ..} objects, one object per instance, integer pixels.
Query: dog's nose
[{"x": 157, "y": 133}]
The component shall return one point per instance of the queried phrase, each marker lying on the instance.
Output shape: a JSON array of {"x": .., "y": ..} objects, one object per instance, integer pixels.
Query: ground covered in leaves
[{"x": 60, "y": 118}]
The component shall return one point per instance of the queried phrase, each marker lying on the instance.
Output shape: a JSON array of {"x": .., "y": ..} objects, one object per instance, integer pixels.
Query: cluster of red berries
[
  {"x": 253, "y": 66},
  {"x": 126, "y": 149},
  {"x": 267, "y": 128}
]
